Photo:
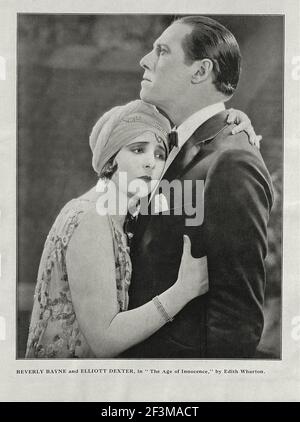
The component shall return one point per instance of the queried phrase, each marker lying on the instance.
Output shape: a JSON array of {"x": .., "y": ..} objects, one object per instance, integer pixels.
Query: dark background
[{"x": 72, "y": 68}]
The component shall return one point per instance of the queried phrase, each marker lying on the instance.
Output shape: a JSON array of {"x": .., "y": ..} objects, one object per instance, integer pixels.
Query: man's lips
[{"x": 146, "y": 80}]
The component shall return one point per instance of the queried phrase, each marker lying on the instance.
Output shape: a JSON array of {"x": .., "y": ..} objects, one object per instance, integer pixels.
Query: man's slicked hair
[{"x": 209, "y": 39}]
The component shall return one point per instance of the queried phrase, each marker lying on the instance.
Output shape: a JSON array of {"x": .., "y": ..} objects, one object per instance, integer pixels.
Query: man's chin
[{"x": 145, "y": 96}]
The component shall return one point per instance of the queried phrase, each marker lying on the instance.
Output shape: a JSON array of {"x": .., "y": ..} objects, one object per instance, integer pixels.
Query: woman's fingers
[
  {"x": 257, "y": 141},
  {"x": 238, "y": 117},
  {"x": 232, "y": 116},
  {"x": 250, "y": 132},
  {"x": 244, "y": 125},
  {"x": 248, "y": 128},
  {"x": 253, "y": 138},
  {"x": 199, "y": 265},
  {"x": 193, "y": 272},
  {"x": 186, "y": 245},
  {"x": 201, "y": 269}
]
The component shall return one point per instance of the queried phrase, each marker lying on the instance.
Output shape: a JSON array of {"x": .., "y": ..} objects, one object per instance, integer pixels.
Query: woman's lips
[{"x": 146, "y": 178}]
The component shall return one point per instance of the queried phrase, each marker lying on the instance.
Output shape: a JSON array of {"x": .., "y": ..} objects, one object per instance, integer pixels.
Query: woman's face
[{"x": 141, "y": 162}]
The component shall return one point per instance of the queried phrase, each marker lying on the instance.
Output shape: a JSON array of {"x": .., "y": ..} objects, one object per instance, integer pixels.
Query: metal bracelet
[{"x": 161, "y": 309}]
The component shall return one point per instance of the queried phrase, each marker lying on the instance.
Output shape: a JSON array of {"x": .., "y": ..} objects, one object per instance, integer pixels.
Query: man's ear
[{"x": 203, "y": 69}]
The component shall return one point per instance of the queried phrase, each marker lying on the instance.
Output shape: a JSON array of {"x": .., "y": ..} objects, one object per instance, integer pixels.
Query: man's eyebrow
[{"x": 160, "y": 44}]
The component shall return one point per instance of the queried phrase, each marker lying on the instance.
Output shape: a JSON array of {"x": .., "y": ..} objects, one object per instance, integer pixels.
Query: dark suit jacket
[{"x": 228, "y": 321}]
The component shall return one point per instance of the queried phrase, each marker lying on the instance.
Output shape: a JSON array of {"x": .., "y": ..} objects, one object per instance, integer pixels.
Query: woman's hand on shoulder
[{"x": 243, "y": 124}]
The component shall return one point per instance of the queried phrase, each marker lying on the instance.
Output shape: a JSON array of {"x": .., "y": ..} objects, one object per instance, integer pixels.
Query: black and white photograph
[
  {"x": 100, "y": 98},
  {"x": 149, "y": 210}
]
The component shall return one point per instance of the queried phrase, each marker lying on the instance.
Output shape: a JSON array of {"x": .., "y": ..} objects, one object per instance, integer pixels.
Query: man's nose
[{"x": 146, "y": 61}]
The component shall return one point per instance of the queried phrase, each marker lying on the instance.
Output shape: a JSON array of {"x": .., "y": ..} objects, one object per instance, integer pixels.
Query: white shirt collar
[{"x": 189, "y": 126}]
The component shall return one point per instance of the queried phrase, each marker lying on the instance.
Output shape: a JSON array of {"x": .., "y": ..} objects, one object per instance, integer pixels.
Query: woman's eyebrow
[
  {"x": 160, "y": 146},
  {"x": 138, "y": 143}
]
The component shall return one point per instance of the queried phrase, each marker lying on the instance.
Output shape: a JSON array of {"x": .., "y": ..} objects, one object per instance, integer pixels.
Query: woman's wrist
[
  {"x": 182, "y": 292},
  {"x": 173, "y": 299},
  {"x": 162, "y": 310}
]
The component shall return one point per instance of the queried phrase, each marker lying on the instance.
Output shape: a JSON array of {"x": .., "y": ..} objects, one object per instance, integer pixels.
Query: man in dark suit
[{"x": 192, "y": 70}]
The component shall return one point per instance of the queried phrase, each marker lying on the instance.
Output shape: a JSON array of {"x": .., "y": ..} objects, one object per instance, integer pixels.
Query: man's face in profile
[{"x": 166, "y": 75}]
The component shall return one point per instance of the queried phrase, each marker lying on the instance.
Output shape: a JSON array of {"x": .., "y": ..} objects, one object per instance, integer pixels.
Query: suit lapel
[{"x": 192, "y": 147}]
